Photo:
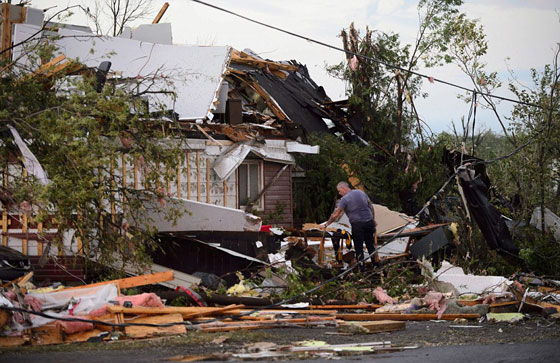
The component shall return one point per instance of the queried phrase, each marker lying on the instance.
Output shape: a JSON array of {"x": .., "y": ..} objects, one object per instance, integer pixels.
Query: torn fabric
[{"x": 30, "y": 162}]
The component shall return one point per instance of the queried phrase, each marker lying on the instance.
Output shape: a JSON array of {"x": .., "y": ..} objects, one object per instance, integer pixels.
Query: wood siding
[{"x": 278, "y": 194}]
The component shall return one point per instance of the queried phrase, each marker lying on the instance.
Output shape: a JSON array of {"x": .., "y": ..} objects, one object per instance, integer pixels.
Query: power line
[{"x": 389, "y": 65}]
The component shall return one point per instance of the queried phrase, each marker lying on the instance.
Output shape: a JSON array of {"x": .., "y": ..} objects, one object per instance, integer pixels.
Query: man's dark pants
[{"x": 362, "y": 232}]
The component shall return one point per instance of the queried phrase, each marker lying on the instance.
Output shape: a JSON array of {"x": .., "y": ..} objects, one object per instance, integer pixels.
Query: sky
[{"x": 521, "y": 35}]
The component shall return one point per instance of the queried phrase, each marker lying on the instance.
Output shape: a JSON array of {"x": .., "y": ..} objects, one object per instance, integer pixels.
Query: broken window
[{"x": 250, "y": 183}]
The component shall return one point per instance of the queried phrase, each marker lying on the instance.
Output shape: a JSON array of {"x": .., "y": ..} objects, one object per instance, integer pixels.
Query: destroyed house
[{"x": 243, "y": 119}]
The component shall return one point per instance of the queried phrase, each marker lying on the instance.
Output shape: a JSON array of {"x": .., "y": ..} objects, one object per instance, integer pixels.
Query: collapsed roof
[
  {"x": 183, "y": 78},
  {"x": 203, "y": 84}
]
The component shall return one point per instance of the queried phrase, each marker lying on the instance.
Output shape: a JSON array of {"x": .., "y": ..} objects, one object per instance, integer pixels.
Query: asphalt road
[{"x": 542, "y": 351}]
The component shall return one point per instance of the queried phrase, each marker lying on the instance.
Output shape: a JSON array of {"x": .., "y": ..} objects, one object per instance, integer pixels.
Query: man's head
[{"x": 343, "y": 188}]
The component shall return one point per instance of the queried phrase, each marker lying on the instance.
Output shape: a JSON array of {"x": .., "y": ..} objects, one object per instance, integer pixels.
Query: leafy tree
[
  {"x": 380, "y": 75},
  {"x": 539, "y": 126},
  {"x": 382, "y": 177},
  {"x": 467, "y": 46},
  {"x": 381, "y": 92},
  {"x": 82, "y": 135}
]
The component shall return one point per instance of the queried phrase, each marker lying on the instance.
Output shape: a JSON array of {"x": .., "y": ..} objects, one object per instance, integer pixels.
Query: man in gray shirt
[{"x": 357, "y": 206}]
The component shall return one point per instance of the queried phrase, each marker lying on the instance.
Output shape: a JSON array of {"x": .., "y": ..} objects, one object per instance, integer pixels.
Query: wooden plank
[
  {"x": 4, "y": 228},
  {"x": 145, "y": 331},
  {"x": 84, "y": 336},
  {"x": 160, "y": 14},
  {"x": 379, "y": 326},
  {"x": 40, "y": 240},
  {"x": 5, "y": 221},
  {"x": 400, "y": 317},
  {"x": 478, "y": 302},
  {"x": 46, "y": 335},
  {"x": 106, "y": 318},
  {"x": 217, "y": 311},
  {"x": 529, "y": 300},
  {"x": 322, "y": 248},
  {"x": 342, "y": 307},
  {"x": 207, "y": 181},
  {"x": 133, "y": 281},
  {"x": 13, "y": 341},
  {"x": 188, "y": 175},
  {"x": 50, "y": 64},
  {"x": 178, "y": 177},
  {"x": 198, "y": 176},
  {"x": 546, "y": 289},
  {"x": 294, "y": 311},
  {"x": 6, "y": 40},
  {"x": 189, "y": 312}
]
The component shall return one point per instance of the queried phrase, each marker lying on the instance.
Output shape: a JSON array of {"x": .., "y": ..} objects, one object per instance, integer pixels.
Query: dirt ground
[{"x": 422, "y": 334}]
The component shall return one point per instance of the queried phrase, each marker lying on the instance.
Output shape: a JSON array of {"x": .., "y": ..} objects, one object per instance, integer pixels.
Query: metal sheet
[
  {"x": 197, "y": 217},
  {"x": 194, "y": 73},
  {"x": 230, "y": 160}
]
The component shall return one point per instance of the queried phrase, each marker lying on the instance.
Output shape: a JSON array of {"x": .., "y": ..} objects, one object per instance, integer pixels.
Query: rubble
[{"x": 239, "y": 112}]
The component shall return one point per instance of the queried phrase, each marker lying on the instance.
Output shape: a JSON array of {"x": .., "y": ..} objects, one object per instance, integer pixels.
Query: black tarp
[{"x": 487, "y": 217}]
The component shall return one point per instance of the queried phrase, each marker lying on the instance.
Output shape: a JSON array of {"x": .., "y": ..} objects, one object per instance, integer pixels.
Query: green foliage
[
  {"x": 81, "y": 138},
  {"x": 180, "y": 301},
  {"x": 399, "y": 280},
  {"x": 300, "y": 282},
  {"x": 540, "y": 253},
  {"x": 275, "y": 215},
  {"x": 384, "y": 178},
  {"x": 131, "y": 291}
]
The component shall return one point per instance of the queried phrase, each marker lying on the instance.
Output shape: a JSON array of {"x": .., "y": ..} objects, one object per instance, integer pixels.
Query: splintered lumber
[
  {"x": 83, "y": 336},
  {"x": 47, "y": 334},
  {"x": 145, "y": 331},
  {"x": 4, "y": 318},
  {"x": 411, "y": 317},
  {"x": 132, "y": 281},
  {"x": 293, "y": 311},
  {"x": 227, "y": 309},
  {"x": 13, "y": 341},
  {"x": 322, "y": 248},
  {"x": 344, "y": 307},
  {"x": 20, "y": 281},
  {"x": 50, "y": 64},
  {"x": 107, "y": 318},
  {"x": 160, "y": 14},
  {"x": 187, "y": 312},
  {"x": 379, "y": 326},
  {"x": 532, "y": 302},
  {"x": 495, "y": 305}
]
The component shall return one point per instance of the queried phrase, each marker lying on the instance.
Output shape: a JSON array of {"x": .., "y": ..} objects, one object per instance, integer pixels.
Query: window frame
[{"x": 260, "y": 183}]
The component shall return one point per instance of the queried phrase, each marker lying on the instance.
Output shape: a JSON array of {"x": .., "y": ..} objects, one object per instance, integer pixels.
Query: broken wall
[{"x": 278, "y": 197}]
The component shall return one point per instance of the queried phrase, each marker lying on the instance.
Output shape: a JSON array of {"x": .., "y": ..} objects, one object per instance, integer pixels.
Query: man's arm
[{"x": 334, "y": 216}]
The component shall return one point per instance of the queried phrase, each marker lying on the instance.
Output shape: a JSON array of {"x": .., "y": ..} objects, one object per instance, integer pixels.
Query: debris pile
[{"x": 99, "y": 311}]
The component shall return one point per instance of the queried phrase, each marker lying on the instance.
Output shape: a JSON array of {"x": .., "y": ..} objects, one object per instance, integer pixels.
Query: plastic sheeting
[
  {"x": 74, "y": 302},
  {"x": 551, "y": 221},
  {"x": 487, "y": 217}
]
